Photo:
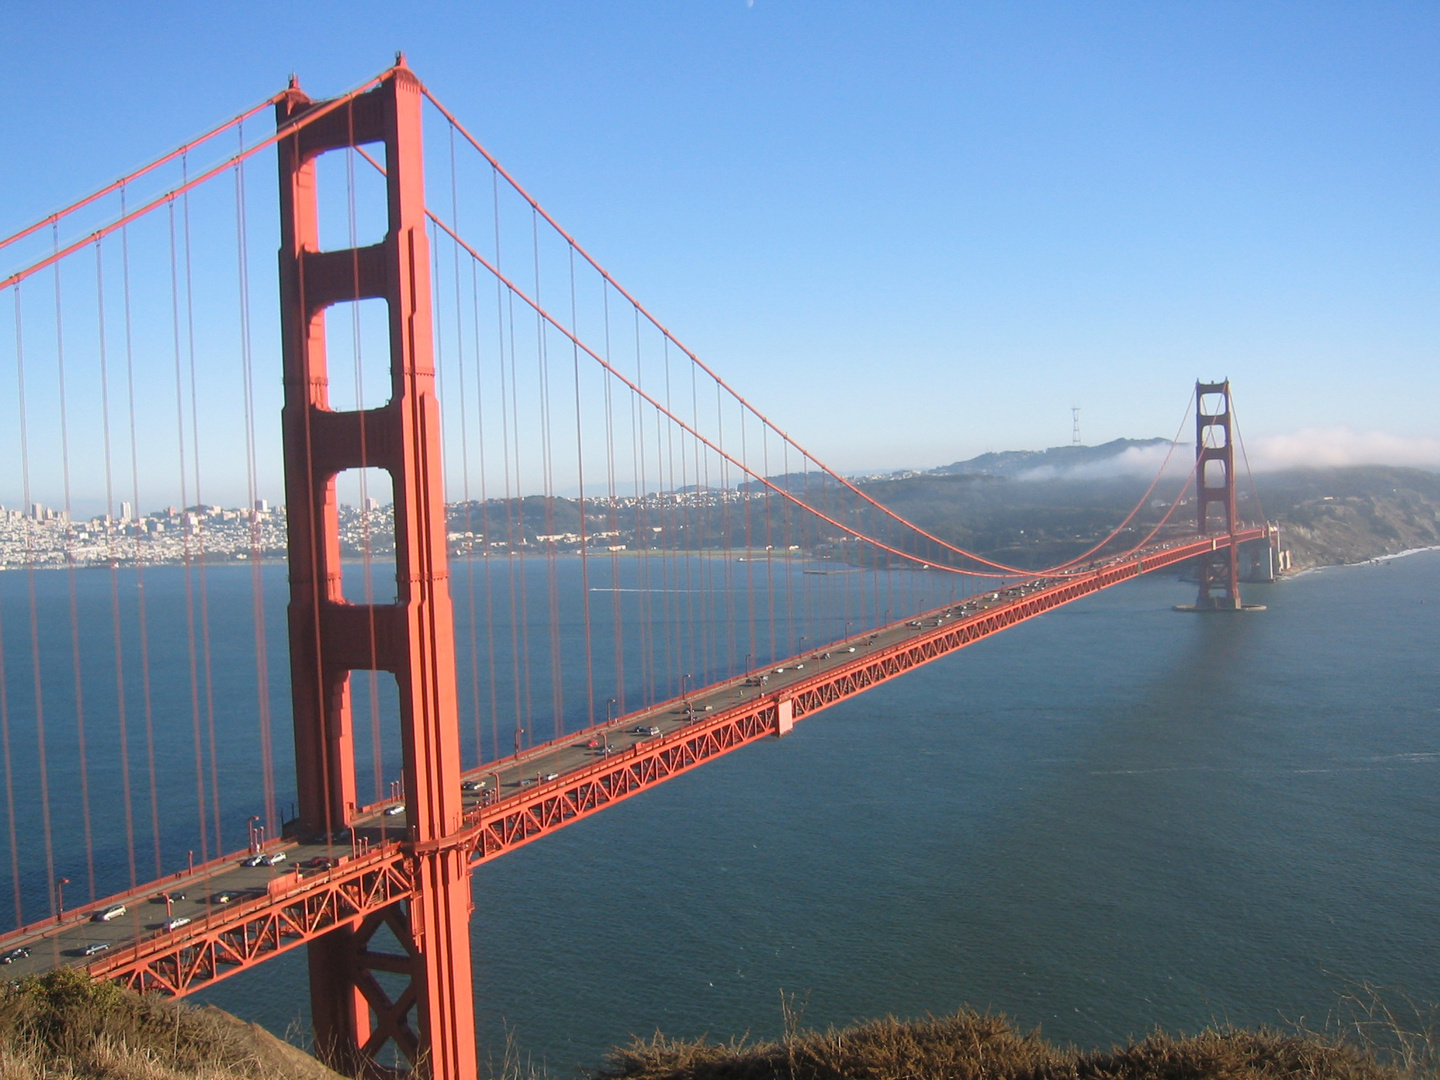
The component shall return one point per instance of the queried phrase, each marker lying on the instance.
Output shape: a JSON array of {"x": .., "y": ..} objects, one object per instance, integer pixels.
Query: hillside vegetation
[
  {"x": 983, "y": 1046},
  {"x": 1327, "y": 517},
  {"x": 63, "y": 1026}
]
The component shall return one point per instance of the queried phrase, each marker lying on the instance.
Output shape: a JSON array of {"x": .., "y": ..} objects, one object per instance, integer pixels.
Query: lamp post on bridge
[
  {"x": 60, "y": 884},
  {"x": 254, "y": 844},
  {"x": 610, "y": 711}
]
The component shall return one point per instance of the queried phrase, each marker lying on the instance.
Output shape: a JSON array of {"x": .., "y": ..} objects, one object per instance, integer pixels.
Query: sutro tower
[{"x": 1075, "y": 427}]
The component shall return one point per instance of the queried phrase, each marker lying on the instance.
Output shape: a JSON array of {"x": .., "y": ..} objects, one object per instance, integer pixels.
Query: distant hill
[
  {"x": 1057, "y": 460},
  {"x": 1032, "y": 514}
]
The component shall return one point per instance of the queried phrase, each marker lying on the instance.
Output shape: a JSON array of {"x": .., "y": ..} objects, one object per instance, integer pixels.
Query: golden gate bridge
[{"x": 688, "y": 580}]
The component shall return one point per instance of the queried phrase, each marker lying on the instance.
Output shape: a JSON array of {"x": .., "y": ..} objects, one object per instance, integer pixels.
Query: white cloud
[
  {"x": 1337, "y": 446},
  {"x": 1141, "y": 461}
]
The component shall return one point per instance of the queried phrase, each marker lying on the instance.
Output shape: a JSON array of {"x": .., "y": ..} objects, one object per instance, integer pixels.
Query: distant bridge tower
[
  {"x": 1215, "y": 485},
  {"x": 413, "y": 638},
  {"x": 1075, "y": 426}
]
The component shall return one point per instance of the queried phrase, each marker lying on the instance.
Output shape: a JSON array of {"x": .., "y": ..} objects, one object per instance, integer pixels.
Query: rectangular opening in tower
[
  {"x": 1212, "y": 403},
  {"x": 365, "y": 515},
  {"x": 351, "y": 198},
  {"x": 375, "y": 721},
  {"x": 357, "y": 354}
]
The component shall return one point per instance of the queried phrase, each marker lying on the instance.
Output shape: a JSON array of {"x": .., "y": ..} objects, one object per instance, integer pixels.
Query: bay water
[{"x": 1111, "y": 817}]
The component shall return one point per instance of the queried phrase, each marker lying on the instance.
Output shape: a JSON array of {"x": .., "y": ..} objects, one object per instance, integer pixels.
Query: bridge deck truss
[{"x": 253, "y": 931}]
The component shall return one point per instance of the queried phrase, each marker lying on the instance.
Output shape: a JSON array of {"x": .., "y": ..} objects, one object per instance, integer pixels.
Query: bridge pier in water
[{"x": 431, "y": 1023}]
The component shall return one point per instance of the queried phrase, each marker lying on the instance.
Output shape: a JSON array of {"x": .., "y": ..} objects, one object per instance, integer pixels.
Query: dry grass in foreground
[
  {"x": 980, "y": 1046},
  {"x": 64, "y": 1026}
]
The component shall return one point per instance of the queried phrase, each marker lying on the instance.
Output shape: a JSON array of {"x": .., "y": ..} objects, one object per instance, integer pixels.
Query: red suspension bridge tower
[
  {"x": 413, "y": 638},
  {"x": 1215, "y": 485}
]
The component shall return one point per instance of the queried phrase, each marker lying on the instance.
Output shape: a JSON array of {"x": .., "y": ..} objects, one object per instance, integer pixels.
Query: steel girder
[
  {"x": 512, "y": 822},
  {"x": 518, "y": 820},
  {"x": 863, "y": 673},
  {"x": 250, "y": 932}
]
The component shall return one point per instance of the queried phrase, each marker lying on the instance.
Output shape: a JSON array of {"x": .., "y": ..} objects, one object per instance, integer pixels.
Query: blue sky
[{"x": 909, "y": 232}]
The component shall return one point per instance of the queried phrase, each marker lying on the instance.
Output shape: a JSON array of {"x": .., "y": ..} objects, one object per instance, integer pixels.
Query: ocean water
[{"x": 1109, "y": 818}]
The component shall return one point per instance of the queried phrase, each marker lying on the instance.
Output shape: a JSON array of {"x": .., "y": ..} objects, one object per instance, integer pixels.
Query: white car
[
  {"x": 114, "y": 911},
  {"x": 396, "y": 810},
  {"x": 550, "y": 776},
  {"x": 176, "y": 923},
  {"x": 275, "y": 858}
]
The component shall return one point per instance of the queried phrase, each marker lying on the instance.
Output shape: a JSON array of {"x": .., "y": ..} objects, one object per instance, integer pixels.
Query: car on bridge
[
  {"x": 395, "y": 811},
  {"x": 274, "y": 859},
  {"x": 94, "y": 947},
  {"x": 258, "y": 859},
  {"x": 18, "y": 953},
  {"x": 320, "y": 862},
  {"x": 175, "y": 923},
  {"x": 114, "y": 911},
  {"x": 645, "y": 729}
]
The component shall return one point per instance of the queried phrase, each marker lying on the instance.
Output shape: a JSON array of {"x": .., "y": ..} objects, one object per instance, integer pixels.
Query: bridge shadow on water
[{"x": 1112, "y": 817}]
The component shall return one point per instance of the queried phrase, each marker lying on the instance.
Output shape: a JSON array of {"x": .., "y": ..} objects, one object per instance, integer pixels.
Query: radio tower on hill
[{"x": 1075, "y": 426}]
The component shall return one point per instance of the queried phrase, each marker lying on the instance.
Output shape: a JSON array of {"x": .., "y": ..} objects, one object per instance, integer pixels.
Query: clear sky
[{"x": 909, "y": 232}]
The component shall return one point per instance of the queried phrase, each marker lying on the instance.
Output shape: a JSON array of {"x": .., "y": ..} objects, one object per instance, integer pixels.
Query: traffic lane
[{"x": 194, "y": 898}]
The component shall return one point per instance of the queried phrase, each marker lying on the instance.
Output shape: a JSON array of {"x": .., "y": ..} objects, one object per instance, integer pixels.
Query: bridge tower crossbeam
[{"x": 431, "y": 1022}]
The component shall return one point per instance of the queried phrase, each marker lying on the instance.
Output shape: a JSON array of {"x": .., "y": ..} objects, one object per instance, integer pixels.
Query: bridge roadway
[{"x": 241, "y": 915}]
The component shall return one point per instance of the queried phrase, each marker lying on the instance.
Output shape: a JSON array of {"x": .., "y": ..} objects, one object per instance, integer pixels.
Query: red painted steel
[
  {"x": 241, "y": 935},
  {"x": 412, "y": 638},
  {"x": 363, "y": 892},
  {"x": 517, "y": 820},
  {"x": 1220, "y": 569}
]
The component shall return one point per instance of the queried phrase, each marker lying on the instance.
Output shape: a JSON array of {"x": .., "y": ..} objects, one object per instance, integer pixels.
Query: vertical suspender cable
[
  {"x": 580, "y": 480},
  {"x": 200, "y": 532},
  {"x": 511, "y": 540},
  {"x": 465, "y": 461},
  {"x": 9, "y": 769},
  {"x": 9, "y": 784},
  {"x": 186, "y": 547},
  {"x": 70, "y": 574},
  {"x": 252, "y": 515},
  {"x": 114, "y": 567},
  {"x": 484, "y": 521},
  {"x": 142, "y": 614},
  {"x": 547, "y": 481},
  {"x": 617, "y": 621},
  {"x": 43, "y": 756}
]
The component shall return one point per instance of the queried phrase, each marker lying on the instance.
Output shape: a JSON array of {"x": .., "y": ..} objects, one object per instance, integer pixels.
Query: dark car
[
  {"x": 320, "y": 862},
  {"x": 19, "y": 953}
]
